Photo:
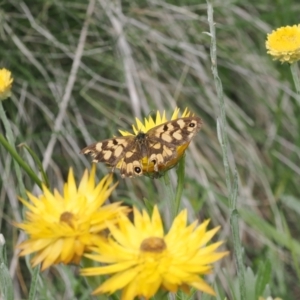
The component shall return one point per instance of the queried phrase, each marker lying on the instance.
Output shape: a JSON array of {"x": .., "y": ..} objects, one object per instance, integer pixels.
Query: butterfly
[{"x": 158, "y": 145}]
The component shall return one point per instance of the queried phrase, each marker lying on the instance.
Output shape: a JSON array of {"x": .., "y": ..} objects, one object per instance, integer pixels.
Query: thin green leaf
[
  {"x": 20, "y": 161},
  {"x": 263, "y": 278},
  {"x": 38, "y": 162}
]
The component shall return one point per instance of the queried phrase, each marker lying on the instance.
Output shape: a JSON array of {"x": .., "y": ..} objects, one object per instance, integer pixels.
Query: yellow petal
[{"x": 117, "y": 281}]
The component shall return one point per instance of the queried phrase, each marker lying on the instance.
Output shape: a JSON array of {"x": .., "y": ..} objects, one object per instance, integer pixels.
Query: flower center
[
  {"x": 68, "y": 218},
  {"x": 153, "y": 244}
]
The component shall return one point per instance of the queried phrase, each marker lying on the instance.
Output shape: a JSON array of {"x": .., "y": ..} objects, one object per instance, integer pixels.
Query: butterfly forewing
[
  {"x": 176, "y": 132},
  {"x": 110, "y": 151},
  {"x": 158, "y": 145}
]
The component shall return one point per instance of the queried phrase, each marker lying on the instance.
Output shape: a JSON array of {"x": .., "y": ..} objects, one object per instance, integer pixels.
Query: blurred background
[{"x": 85, "y": 69}]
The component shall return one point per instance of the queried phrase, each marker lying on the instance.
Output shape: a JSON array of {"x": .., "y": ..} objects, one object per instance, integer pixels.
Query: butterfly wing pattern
[{"x": 159, "y": 145}]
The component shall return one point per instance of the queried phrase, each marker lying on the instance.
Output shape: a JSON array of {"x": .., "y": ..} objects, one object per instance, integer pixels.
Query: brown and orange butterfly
[{"x": 146, "y": 152}]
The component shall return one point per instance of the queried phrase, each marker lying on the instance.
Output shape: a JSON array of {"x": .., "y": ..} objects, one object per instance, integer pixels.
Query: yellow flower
[
  {"x": 5, "y": 83},
  {"x": 142, "y": 259},
  {"x": 62, "y": 227},
  {"x": 149, "y": 123},
  {"x": 284, "y": 44}
]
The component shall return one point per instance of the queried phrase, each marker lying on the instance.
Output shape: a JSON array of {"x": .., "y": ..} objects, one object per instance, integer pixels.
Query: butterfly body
[{"x": 158, "y": 147}]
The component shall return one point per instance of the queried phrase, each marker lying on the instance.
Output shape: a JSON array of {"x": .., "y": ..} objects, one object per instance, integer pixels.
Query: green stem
[
  {"x": 174, "y": 199},
  {"x": 223, "y": 139},
  {"x": 234, "y": 223},
  {"x": 169, "y": 194},
  {"x": 294, "y": 70},
  {"x": 180, "y": 183}
]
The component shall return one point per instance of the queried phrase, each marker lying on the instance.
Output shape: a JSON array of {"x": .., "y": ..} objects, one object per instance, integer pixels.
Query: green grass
[{"x": 67, "y": 94}]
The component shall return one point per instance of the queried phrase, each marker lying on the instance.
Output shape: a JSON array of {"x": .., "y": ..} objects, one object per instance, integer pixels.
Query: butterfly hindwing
[{"x": 159, "y": 153}]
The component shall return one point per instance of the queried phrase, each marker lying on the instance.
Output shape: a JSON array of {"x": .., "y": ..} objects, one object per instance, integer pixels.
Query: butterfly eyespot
[
  {"x": 192, "y": 125},
  {"x": 137, "y": 170}
]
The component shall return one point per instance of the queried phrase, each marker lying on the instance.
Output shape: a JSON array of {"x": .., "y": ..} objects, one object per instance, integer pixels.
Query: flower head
[
  {"x": 5, "y": 84},
  {"x": 62, "y": 227},
  {"x": 148, "y": 166},
  {"x": 142, "y": 259},
  {"x": 284, "y": 44}
]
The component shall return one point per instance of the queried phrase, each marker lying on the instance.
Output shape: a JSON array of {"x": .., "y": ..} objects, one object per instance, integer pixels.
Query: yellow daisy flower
[
  {"x": 149, "y": 123},
  {"x": 62, "y": 227},
  {"x": 5, "y": 83},
  {"x": 284, "y": 44},
  {"x": 142, "y": 259}
]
